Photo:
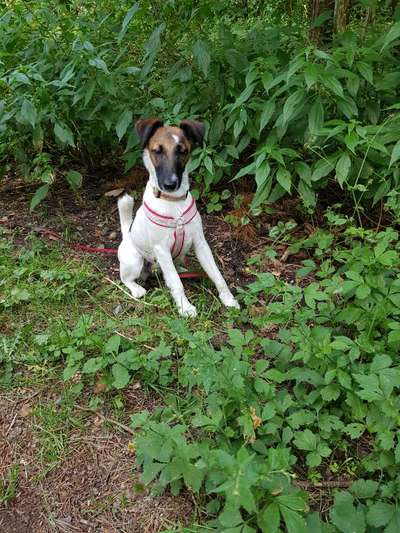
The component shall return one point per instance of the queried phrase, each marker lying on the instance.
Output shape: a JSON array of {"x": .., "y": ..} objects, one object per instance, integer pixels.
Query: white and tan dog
[{"x": 167, "y": 224}]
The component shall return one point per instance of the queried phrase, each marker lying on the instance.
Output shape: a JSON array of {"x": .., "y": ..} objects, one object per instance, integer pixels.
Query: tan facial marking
[{"x": 165, "y": 142}]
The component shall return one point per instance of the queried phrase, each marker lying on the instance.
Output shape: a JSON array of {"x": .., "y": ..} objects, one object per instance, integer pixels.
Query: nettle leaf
[
  {"x": 343, "y": 168},
  {"x": 128, "y": 17},
  {"x": 333, "y": 84},
  {"x": 64, "y": 134},
  {"x": 395, "y": 154},
  {"x": 28, "y": 112},
  {"x": 201, "y": 56},
  {"x": 266, "y": 114},
  {"x": 316, "y": 117},
  {"x": 123, "y": 123},
  {"x": 366, "y": 71},
  {"x": 392, "y": 35},
  {"x": 39, "y": 195},
  {"x": 292, "y": 105},
  {"x": 284, "y": 178}
]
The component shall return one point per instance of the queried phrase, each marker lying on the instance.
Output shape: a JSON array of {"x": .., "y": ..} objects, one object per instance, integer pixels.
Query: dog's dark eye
[
  {"x": 181, "y": 149},
  {"x": 158, "y": 150}
]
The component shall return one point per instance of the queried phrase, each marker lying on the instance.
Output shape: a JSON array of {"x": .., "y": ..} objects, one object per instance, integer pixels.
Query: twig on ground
[
  {"x": 106, "y": 419},
  {"x": 323, "y": 484}
]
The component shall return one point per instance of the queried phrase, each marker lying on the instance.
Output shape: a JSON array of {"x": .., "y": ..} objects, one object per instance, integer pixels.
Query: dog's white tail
[{"x": 125, "y": 208}]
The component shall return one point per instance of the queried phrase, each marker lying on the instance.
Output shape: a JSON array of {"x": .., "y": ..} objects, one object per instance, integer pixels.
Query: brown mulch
[{"x": 94, "y": 488}]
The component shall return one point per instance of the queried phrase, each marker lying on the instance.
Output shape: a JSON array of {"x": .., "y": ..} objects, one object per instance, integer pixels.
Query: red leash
[{"x": 107, "y": 251}]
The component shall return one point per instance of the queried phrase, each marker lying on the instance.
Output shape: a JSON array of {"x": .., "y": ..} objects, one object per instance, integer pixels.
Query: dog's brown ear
[
  {"x": 145, "y": 127},
  {"x": 193, "y": 130}
]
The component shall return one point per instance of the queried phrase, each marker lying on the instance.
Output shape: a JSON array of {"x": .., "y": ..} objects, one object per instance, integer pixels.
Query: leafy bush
[{"x": 75, "y": 77}]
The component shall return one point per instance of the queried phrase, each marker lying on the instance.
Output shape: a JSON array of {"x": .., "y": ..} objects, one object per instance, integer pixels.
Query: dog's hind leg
[{"x": 130, "y": 272}]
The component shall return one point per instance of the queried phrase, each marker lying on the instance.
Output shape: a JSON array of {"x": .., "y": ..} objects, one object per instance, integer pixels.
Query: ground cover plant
[{"x": 301, "y": 390}]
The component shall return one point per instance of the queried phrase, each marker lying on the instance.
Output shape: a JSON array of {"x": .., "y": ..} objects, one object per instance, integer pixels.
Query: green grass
[{"x": 300, "y": 385}]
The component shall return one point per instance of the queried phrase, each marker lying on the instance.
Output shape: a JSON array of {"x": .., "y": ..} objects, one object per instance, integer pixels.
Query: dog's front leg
[
  {"x": 206, "y": 259},
  {"x": 174, "y": 282}
]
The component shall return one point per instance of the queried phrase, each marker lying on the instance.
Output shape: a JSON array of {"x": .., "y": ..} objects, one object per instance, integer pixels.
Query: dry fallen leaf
[
  {"x": 100, "y": 387},
  {"x": 25, "y": 410},
  {"x": 255, "y": 418},
  {"x": 114, "y": 192}
]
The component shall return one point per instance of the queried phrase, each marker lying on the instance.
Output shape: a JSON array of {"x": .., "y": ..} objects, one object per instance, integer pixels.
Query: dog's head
[{"x": 167, "y": 149}]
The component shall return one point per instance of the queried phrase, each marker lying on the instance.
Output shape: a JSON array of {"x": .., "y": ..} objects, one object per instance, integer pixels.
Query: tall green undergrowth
[{"x": 74, "y": 78}]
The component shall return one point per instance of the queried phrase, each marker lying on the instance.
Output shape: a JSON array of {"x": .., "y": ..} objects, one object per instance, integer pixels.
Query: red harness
[{"x": 177, "y": 224}]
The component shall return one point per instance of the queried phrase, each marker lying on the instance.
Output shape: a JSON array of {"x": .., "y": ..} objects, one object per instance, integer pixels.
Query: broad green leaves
[
  {"x": 123, "y": 123},
  {"x": 39, "y": 195},
  {"x": 128, "y": 17},
  {"x": 201, "y": 56}
]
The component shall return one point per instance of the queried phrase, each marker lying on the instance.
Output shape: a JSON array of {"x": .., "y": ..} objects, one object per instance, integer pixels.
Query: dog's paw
[
  {"x": 138, "y": 292},
  {"x": 229, "y": 301},
  {"x": 188, "y": 310}
]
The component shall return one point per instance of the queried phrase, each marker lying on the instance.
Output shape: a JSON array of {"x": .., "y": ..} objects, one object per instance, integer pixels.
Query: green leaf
[
  {"x": 151, "y": 471},
  {"x": 310, "y": 75},
  {"x": 345, "y": 516},
  {"x": 193, "y": 477},
  {"x": 364, "y": 488},
  {"x": 343, "y": 168},
  {"x": 333, "y": 84},
  {"x": 293, "y": 501},
  {"x": 39, "y": 195},
  {"x": 380, "y": 514},
  {"x": 266, "y": 114},
  {"x": 112, "y": 345},
  {"x": 63, "y": 134},
  {"x": 305, "y": 440},
  {"x": 284, "y": 178},
  {"x": 121, "y": 376},
  {"x": 128, "y": 17},
  {"x": 74, "y": 178},
  {"x": 392, "y": 35},
  {"x": 395, "y": 153},
  {"x": 230, "y": 517},
  {"x": 244, "y": 96},
  {"x": 316, "y": 117},
  {"x": 98, "y": 63},
  {"x": 366, "y": 71},
  {"x": 294, "y": 522},
  {"x": 28, "y": 112},
  {"x": 123, "y": 123},
  {"x": 201, "y": 56},
  {"x": 93, "y": 365},
  {"x": 269, "y": 519},
  {"x": 292, "y": 105}
]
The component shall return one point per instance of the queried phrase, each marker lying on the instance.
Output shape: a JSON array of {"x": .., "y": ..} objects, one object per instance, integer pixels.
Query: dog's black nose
[{"x": 171, "y": 183}]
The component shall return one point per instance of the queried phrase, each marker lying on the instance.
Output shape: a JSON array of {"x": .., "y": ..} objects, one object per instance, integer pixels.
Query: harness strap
[{"x": 178, "y": 224}]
